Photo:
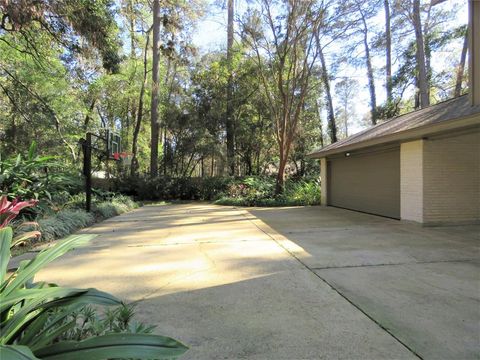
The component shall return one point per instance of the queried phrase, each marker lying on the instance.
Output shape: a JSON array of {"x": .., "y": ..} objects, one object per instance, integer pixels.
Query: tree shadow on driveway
[{"x": 421, "y": 284}]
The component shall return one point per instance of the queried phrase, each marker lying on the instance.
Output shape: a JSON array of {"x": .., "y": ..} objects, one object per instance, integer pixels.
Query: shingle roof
[{"x": 447, "y": 110}]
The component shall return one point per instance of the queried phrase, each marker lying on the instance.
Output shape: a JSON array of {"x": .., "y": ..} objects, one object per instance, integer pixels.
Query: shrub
[
  {"x": 247, "y": 191},
  {"x": 64, "y": 223},
  {"x": 107, "y": 209},
  {"x": 89, "y": 323},
  {"x": 250, "y": 191},
  {"x": 32, "y": 176},
  {"x": 303, "y": 192},
  {"x": 72, "y": 217},
  {"x": 213, "y": 187},
  {"x": 261, "y": 192},
  {"x": 168, "y": 188}
]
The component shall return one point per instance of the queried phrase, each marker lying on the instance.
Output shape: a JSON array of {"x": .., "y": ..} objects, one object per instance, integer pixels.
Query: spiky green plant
[{"x": 36, "y": 316}]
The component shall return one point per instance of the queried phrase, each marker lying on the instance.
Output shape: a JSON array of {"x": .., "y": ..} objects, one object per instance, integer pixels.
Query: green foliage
[
  {"x": 302, "y": 192},
  {"x": 70, "y": 216},
  {"x": 168, "y": 188},
  {"x": 64, "y": 22},
  {"x": 251, "y": 190},
  {"x": 260, "y": 191},
  {"x": 39, "y": 320},
  {"x": 63, "y": 223},
  {"x": 114, "y": 207},
  {"x": 90, "y": 324},
  {"x": 247, "y": 191},
  {"x": 67, "y": 67},
  {"x": 32, "y": 176}
]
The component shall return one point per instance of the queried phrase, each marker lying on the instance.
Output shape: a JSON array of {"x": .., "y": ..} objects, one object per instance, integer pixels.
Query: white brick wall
[
  {"x": 451, "y": 176},
  {"x": 323, "y": 181},
  {"x": 411, "y": 181}
]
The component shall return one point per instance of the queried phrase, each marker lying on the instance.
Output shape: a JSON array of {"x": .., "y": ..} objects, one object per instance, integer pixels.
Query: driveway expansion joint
[
  {"x": 393, "y": 264},
  {"x": 331, "y": 286},
  {"x": 196, "y": 242}
]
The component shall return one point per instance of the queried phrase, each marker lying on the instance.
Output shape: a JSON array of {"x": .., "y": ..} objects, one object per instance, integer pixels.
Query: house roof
[{"x": 445, "y": 115}]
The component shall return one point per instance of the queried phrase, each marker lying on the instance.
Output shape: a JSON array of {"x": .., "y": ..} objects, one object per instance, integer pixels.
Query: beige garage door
[{"x": 368, "y": 182}]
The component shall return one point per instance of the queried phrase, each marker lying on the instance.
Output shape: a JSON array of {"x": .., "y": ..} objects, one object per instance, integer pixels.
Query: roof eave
[{"x": 402, "y": 136}]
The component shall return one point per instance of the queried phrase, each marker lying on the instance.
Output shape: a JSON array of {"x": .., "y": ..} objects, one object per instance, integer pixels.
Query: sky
[{"x": 211, "y": 34}]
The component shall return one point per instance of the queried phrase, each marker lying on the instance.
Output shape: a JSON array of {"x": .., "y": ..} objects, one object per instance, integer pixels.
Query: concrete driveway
[{"x": 289, "y": 283}]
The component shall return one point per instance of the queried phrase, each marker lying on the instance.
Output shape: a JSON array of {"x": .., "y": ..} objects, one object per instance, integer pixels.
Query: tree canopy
[{"x": 292, "y": 77}]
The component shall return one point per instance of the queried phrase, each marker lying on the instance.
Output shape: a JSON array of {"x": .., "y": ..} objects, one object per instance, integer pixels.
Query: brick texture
[
  {"x": 411, "y": 181},
  {"x": 323, "y": 181},
  {"x": 451, "y": 176}
]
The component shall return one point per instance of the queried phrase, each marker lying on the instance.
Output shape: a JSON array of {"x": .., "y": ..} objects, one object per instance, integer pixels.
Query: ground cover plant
[
  {"x": 40, "y": 320},
  {"x": 70, "y": 217}
]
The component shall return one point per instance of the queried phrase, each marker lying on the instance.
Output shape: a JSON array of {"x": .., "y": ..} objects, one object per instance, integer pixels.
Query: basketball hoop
[
  {"x": 124, "y": 158},
  {"x": 113, "y": 141}
]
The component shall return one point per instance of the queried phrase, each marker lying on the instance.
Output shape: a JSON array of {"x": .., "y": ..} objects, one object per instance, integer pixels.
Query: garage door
[{"x": 368, "y": 182}]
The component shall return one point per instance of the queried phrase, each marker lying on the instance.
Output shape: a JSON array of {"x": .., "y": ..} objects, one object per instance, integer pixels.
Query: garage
[
  {"x": 367, "y": 181},
  {"x": 422, "y": 166}
]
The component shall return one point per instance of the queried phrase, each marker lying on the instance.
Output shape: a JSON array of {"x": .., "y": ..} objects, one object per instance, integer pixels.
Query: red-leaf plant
[{"x": 9, "y": 210}]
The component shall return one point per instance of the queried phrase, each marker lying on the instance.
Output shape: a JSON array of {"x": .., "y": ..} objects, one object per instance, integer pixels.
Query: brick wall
[
  {"x": 451, "y": 175},
  {"x": 323, "y": 181},
  {"x": 411, "y": 181}
]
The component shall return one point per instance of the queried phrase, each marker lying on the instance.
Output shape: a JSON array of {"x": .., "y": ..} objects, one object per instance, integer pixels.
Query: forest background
[{"x": 200, "y": 89}]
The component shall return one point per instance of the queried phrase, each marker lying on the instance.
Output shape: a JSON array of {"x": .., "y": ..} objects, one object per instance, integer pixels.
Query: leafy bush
[
  {"x": 90, "y": 324},
  {"x": 167, "y": 188},
  {"x": 64, "y": 223},
  {"x": 303, "y": 192},
  {"x": 35, "y": 177},
  {"x": 213, "y": 187},
  {"x": 248, "y": 191},
  {"x": 116, "y": 206},
  {"x": 72, "y": 217},
  {"x": 255, "y": 191}
]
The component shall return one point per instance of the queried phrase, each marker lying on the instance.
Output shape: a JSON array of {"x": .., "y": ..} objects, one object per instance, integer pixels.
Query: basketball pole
[
  {"x": 87, "y": 161},
  {"x": 87, "y": 170}
]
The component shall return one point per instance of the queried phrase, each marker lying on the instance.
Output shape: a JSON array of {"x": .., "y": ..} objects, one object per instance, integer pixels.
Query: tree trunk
[
  {"x": 416, "y": 98},
  {"x": 248, "y": 163},
  {"x": 88, "y": 117},
  {"x": 13, "y": 133},
  {"x": 371, "y": 83},
  {"x": 345, "y": 109},
  {"x": 170, "y": 74},
  {"x": 428, "y": 66},
  {"x": 461, "y": 67},
  {"x": 131, "y": 15},
  {"x": 280, "y": 183},
  {"x": 138, "y": 124},
  {"x": 371, "y": 79},
  {"x": 230, "y": 128},
  {"x": 420, "y": 57},
  {"x": 320, "y": 125},
  {"x": 212, "y": 165},
  {"x": 332, "y": 127},
  {"x": 388, "y": 52},
  {"x": 154, "y": 124}
]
